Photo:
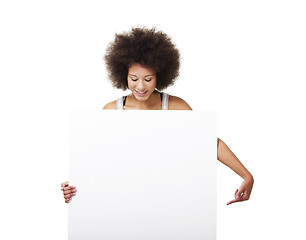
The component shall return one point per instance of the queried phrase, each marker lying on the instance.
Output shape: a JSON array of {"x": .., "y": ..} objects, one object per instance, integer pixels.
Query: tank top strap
[
  {"x": 120, "y": 103},
  {"x": 165, "y": 97}
]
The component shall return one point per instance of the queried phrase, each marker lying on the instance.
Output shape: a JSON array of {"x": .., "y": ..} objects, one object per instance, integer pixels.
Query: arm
[
  {"x": 224, "y": 155},
  {"x": 227, "y": 157}
]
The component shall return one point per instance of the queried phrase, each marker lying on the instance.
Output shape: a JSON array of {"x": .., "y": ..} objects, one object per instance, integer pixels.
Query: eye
[
  {"x": 134, "y": 79},
  {"x": 148, "y": 80}
]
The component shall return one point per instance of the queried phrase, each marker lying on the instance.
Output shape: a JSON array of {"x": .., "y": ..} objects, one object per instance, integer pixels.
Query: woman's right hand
[{"x": 68, "y": 191}]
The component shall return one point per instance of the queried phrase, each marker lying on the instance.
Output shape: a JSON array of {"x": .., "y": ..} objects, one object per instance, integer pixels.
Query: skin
[{"x": 142, "y": 79}]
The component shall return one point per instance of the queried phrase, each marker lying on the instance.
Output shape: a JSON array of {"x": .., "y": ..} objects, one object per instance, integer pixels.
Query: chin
[{"x": 141, "y": 98}]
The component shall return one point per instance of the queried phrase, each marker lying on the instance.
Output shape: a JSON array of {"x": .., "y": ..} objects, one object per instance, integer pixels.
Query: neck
[{"x": 152, "y": 101}]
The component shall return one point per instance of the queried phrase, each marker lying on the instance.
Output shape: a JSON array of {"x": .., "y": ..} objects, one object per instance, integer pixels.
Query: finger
[
  {"x": 69, "y": 190},
  {"x": 241, "y": 193},
  {"x": 237, "y": 198},
  {"x": 245, "y": 196},
  {"x": 70, "y": 194},
  {"x": 233, "y": 201},
  {"x": 236, "y": 195},
  {"x": 64, "y": 184},
  {"x": 68, "y": 200},
  {"x": 242, "y": 198}
]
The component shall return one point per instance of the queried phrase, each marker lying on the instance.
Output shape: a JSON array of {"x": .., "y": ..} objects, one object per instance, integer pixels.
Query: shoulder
[
  {"x": 111, "y": 105},
  {"x": 177, "y": 103}
]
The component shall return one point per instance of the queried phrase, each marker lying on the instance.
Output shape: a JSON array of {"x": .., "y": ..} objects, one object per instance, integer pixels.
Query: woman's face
[{"x": 141, "y": 81}]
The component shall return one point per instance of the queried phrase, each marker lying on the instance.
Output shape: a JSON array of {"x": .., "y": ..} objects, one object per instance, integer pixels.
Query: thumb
[{"x": 64, "y": 184}]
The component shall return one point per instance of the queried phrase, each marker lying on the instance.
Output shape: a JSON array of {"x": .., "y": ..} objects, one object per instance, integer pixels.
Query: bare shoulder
[
  {"x": 177, "y": 103},
  {"x": 111, "y": 105}
]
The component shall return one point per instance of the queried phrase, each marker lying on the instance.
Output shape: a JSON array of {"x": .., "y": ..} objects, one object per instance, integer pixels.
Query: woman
[{"x": 145, "y": 61}]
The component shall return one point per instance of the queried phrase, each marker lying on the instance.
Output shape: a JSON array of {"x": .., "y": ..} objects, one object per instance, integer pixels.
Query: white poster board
[{"x": 143, "y": 175}]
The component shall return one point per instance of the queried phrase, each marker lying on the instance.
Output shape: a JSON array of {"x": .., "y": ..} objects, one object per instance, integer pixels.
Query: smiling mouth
[{"x": 141, "y": 93}]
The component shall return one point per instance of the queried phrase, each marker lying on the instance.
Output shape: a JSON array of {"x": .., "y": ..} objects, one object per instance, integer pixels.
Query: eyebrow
[{"x": 144, "y": 76}]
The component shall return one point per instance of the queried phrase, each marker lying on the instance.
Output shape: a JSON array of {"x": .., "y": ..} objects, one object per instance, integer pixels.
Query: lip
[{"x": 141, "y": 94}]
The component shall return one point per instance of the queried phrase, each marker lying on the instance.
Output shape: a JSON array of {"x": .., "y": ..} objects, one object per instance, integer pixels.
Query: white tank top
[{"x": 165, "y": 97}]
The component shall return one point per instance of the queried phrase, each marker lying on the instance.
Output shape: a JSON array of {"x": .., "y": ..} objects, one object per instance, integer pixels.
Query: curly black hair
[{"x": 148, "y": 47}]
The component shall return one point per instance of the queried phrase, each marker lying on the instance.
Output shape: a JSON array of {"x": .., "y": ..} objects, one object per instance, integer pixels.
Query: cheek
[
  {"x": 153, "y": 85},
  {"x": 131, "y": 84}
]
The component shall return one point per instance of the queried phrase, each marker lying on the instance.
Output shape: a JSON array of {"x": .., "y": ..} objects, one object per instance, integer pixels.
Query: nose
[{"x": 140, "y": 85}]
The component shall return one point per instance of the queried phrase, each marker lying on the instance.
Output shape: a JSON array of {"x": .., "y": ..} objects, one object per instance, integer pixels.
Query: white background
[{"x": 244, "y": 59}]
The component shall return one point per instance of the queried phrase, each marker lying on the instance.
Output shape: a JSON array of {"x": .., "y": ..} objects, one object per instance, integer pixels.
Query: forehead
[{"x": 138, "y": 69}]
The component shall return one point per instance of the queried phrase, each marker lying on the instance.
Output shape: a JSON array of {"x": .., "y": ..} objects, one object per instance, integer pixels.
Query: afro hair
[{"x": 147, "y": 47}]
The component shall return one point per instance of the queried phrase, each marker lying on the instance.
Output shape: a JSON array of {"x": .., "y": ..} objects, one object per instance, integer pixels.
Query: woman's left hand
[{"x": 244, "y": 191}]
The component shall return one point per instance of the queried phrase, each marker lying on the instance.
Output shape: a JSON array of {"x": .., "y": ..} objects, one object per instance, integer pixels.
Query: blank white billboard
[{"x": 143, "y": 175}]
